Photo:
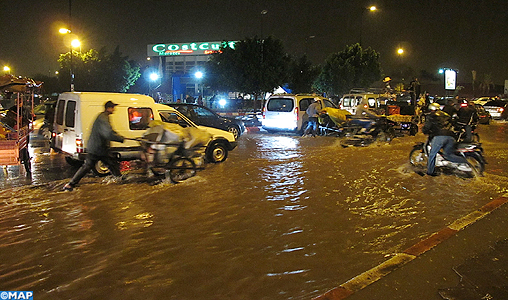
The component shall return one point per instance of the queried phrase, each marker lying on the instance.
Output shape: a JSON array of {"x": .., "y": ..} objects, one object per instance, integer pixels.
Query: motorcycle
[
  {"x": 380, "y": 129},
  {"x": 472, "y": 152}
]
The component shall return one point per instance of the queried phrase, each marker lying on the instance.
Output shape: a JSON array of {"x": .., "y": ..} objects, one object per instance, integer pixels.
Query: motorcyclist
[
  {"x": 364, "y": 116},
  {"x": 467, "y": 118},
  {"x": 438, "y": 127}
]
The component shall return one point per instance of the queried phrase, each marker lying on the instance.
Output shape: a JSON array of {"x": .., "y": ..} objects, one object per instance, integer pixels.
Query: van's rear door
[
  {"x": 58, "y": 126},
  {"x": 64, "y": 126},
  {"x": 69, "y": 131}
]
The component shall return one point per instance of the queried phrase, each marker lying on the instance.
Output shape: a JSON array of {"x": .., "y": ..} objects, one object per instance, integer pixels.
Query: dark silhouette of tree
[
  {"x": 99, "y": 71},
  {"x": 353, "y": 67},
  {"x": 302, "y": 75},
  {"x": 254, "y": 67}
]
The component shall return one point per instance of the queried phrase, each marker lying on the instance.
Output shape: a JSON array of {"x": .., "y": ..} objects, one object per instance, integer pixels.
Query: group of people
[
  {"x": 438, "y": 126},
  {"x": 364, "y": 116}
]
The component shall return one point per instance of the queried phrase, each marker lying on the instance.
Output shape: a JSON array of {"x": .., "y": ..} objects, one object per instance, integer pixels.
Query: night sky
[{"x": 464, "y": 35}]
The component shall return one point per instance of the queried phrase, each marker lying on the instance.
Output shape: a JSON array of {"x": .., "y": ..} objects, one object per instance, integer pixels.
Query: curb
[{"x": 366, "y": 278}]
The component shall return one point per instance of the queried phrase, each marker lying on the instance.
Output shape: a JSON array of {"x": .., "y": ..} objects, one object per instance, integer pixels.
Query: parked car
[
  {"x": 483, "y": 114},
  {"x": 203, "y": 116},
  {"x": 496, "y": 108},
  {"x": 482, "y": 100},
  {"x": 286, "y": 112}
]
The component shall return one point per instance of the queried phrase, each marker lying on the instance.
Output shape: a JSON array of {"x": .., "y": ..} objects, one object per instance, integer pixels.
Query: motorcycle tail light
[{"x": 79, "y": 146}]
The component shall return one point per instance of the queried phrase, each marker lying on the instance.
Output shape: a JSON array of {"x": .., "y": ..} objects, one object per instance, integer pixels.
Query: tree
[
  {"x": 302, "y": 75},
  {"x": 254, "y": 67},
  {"x": 486, "y": 84},
  {"x": 99, "y": 71},
  {"x": 352, "y": 67}
]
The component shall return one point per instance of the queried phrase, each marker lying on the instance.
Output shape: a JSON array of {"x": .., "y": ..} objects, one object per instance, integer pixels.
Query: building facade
[{"x": 180, "y": 68}]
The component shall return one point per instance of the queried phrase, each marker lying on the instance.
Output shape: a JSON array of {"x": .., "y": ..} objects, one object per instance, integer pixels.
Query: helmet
[{"x": 434, "y": 106}]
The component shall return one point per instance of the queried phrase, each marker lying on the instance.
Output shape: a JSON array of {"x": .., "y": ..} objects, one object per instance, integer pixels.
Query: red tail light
[
  {"x": 79, "y": 146},
  {"x": 501, "y": 110},
  {"x": 463, "y": 104},
  {"x": 263, "y": 112},
  {"x": 297, "y": 114}
]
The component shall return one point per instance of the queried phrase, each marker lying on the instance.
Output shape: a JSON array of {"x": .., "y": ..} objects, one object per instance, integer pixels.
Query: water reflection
[{"x": 283, "y": 218}]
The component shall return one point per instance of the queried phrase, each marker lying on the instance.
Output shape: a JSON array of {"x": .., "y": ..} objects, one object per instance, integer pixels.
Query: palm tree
[{"x": 486, "y": 84}]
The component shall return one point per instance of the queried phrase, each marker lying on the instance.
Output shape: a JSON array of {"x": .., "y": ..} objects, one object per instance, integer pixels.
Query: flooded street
[{"x": 284, "y": 217}]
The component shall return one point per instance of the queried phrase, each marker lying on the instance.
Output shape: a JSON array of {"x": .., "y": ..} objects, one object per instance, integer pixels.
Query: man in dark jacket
[
  {"x": 438, "y": 127},
  {"x": 98, "y": 147},
  {"x": 467, "y": 118}
]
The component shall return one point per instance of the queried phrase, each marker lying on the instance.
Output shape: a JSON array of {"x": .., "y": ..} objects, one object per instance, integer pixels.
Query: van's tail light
[
  {"x": 296, "y": 113},
  {"x": 79, "y": 146},
  {"x": 263, "y": 112},
  {"x": 501, "y": 109}
]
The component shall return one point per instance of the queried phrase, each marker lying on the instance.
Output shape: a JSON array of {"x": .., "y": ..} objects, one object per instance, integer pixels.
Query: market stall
[{"x": 15, "y": 121}]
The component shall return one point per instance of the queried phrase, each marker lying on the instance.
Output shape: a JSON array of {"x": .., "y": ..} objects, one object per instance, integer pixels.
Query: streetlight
[
  {"x": 199, "y": 75},
  {"x": 370, "y": 9},
  {"x": 400, "y": 53},
  {"x": 73, "y": 43},
  {"x": 263, "y": 12},
  {"x": 7, "y": 69}
]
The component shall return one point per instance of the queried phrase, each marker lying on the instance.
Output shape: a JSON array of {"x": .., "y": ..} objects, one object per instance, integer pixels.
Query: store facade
[{"x": 180, "y": 67}]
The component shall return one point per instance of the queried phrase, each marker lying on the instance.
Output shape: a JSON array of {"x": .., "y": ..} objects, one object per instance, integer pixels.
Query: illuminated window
[{"x": 139, "y": 118}]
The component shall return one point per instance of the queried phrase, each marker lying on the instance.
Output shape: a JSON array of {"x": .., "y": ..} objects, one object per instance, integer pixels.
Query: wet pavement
[{"x": 284, "y": 217}]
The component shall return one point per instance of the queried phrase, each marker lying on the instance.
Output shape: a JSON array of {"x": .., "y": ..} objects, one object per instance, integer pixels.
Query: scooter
[
  {"x": 380, "y": 129},
  {"x": 472, "y": 152}
]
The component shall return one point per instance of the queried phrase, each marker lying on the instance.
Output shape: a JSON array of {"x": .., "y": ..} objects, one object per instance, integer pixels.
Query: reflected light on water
[{"x": 279, "y": 147}]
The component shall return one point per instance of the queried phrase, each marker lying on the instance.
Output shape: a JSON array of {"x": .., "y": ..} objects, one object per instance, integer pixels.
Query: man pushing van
[{"x": 98, "y": 147}]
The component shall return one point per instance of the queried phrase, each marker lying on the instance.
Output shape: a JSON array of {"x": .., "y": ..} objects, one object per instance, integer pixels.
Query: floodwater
[{"x": 284, "y": 217}]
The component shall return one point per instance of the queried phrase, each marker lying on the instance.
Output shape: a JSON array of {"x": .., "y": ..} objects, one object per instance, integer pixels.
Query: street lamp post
[
  {"x": 72, "y": 43},
  {"x": 365, "y": 10},
  {"x": 400, "y": 53}
]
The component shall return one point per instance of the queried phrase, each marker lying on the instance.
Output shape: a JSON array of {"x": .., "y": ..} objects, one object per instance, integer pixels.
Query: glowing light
[
  {"x": 400, "y": 51},
  {"x": 154, "y": 76},
  {"x": 75, "y": 43},
  {"x": 64, "y": 30},
  {"x": 222, "y": 102},
  {"x": 198, "y": 74},
  {"x": 373, "y": 8}
]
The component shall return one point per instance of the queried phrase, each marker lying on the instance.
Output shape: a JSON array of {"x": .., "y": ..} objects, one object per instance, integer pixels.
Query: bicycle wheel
[
  {"x": 417, "y": 157},
  {"x": 181, "y": 169}
]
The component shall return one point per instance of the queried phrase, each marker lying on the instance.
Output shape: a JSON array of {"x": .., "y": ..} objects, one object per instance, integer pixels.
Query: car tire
[
  {"x": 235, "y": 131},
  {"x": 100, "y": 169},
  {"x": 217, "y": 152}
]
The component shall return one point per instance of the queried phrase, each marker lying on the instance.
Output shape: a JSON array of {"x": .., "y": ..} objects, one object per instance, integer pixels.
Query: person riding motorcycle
[
  {"x": 438, "y": 127},
  {"x": 467, "y": 118},
  {"x": 364, "y": 116}
]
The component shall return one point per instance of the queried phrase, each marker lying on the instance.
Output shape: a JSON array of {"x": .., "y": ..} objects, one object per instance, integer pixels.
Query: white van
[
  {"x": 75, "y": 113},
  {"x": 286, "y": 112},
  {"x": 349, "y": 102}
]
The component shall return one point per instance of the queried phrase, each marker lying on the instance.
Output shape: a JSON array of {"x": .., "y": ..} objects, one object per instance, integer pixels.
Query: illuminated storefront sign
[
  {"x": 186, "y": 48},
  {"x": 450, "y": 79}
]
